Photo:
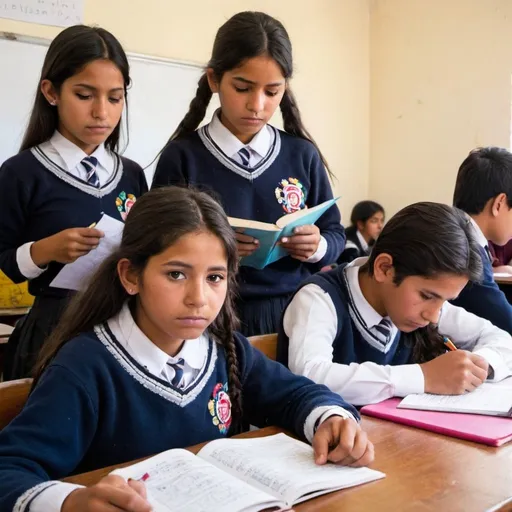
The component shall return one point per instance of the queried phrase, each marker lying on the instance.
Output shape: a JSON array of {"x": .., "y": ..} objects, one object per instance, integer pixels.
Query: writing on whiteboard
[{"x": 61, "y": 13}]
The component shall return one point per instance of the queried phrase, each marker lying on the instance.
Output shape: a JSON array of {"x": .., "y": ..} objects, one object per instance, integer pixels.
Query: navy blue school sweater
[
  {"x": 485, "y": 299},
  {"x": 290, "y": 176},
  {"x": 39, "y": 199},
  {"x": 349, "y": 346},
  {"x": 95, "y": 406}
]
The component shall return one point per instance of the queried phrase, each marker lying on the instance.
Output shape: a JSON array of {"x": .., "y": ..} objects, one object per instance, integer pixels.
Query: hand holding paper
[{"x": 74, "y": 276}]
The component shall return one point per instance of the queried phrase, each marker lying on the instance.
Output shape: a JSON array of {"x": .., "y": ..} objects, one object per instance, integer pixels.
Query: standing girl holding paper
[
  {"x": 258, "y": 171},
  {"x": 65, "y": 176}
]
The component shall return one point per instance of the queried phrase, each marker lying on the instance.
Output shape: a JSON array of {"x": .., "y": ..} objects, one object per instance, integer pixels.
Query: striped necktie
[
  {"x": 178, "y": 372},
  {"x": 245, "y": 156},
  {"x": 383, "y": 330},
  {"x": 90, "y": 163}
]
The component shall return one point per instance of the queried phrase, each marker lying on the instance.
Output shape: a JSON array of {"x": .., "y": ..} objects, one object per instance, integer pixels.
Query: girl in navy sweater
[
  {"x": 65, "y": 176},
  {"x": 147, "y": 359},
  {"x": 258, "y": 171},
  {"x": 366, "y": 222},
  {"x": 375, "y": 328}
]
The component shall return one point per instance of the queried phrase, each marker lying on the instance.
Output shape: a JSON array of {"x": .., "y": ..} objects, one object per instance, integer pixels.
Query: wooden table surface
[
  {"x": 503, "y": 279},
  {"x": 13, "y": 311},
  {"x": 424, "y": 472}
]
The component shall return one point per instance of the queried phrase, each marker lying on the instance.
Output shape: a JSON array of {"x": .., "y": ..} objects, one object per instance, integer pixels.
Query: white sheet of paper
[
  {"x": 489, "y": 398},
  {"x": 74, "y": 276}
]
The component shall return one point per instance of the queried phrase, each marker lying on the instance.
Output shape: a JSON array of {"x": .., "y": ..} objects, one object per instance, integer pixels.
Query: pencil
[
  {"x": 92, "y": 225},
  {"x": 449, "y": 343}
]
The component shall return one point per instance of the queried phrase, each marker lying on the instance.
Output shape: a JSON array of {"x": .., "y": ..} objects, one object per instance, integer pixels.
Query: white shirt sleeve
[
  {"x": 320, "y": 251},
  {"x": 310, "y": 322},
  {"x": 52, "y": 498},
  {"x": 318, "y": 415},
  {"x": 472, "y": 333},
  {"x": 25, "y": 263}
]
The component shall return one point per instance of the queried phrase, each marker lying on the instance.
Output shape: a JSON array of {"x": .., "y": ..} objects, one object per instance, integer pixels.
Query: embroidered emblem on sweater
[
  {"x": 290, "y": 195},
  {"x": 124, "y": 203},
  {"x": 220, "y": 407}
]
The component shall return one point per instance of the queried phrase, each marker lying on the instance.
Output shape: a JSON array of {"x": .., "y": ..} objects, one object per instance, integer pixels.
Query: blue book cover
[{"x": 269, "y": 234}]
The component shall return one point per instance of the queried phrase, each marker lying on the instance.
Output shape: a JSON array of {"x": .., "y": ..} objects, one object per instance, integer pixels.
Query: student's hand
[
  {"x": 304, "y": 242},
  {"x": 246, "y": 244},
  {"x": 109, "y": 494},
  {"x": 65, "y": 246},
  {"x": 454, "y": 373},
  {"x": 341, "y": 440}
]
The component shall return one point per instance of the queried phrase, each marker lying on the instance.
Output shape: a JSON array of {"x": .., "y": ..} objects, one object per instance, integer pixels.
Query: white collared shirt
[
  {"x": 258, "y": 148},
  {"x": 311, "y": 322},
  {"x": 362, "y": 241},
  {"x": 230, "y": 145},
  {"x": 68, "y": 156},
  {"x": 151, "y": 357},
  {"x": 480, "y": 237}
]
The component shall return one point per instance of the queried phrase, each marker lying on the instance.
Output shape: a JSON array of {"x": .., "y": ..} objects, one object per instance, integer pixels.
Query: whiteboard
[
  {"x": 61, "y": 13},
  {"x": 157, "y": 101}
]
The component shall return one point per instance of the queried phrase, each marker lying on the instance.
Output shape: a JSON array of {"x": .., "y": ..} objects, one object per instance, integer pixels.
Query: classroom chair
[
  {"x": 13, "y": 395},
  {"x": 5, "y": 332},
  {"x": 266, "y": 343}
]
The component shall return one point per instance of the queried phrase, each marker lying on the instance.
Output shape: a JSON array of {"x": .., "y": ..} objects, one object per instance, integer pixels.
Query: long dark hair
[
  {"x": 244, "y": 36},
  {"x": 68, "y": 54},
  {"x": 157, "y": 220},
  {"x": 361, "y": 212},
  {"x": 428, "y": 239}
]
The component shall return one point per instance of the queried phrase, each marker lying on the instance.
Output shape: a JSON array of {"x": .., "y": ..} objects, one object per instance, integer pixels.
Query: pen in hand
[{"x": 449, "y": 343}]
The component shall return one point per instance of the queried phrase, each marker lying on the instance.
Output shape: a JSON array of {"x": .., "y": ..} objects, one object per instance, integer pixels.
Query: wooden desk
[
  {"x": 14, "y": 312},
  {"x": 503, "y": 279},
  {"x": 425, "y": 472}
]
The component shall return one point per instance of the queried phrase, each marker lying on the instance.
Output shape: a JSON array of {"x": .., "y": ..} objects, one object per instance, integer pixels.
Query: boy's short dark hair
[{"x": 484, "y": 174}]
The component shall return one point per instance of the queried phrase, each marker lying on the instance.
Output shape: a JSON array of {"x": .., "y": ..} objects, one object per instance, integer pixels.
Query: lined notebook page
[{"x": 489, "y": 399}]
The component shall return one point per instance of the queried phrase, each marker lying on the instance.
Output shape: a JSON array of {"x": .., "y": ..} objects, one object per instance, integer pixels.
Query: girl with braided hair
[
  {"x": 258, "y": 172},
  {"x": 147, "y": 358}
]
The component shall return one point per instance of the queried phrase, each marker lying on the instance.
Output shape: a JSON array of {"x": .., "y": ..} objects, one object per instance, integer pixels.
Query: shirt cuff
[
  {"x": 52, "y": 498},
  {"x": 500, "y": 369},
  {"x": 320, "y": 251},
  {"x": 25, "y": 263},
  {"x": 407, "y": 379},
  {"x": 318, "y": 415}
]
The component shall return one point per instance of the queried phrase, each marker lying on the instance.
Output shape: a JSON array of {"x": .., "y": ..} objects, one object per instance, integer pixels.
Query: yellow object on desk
[{"x": 13, "y": 295}]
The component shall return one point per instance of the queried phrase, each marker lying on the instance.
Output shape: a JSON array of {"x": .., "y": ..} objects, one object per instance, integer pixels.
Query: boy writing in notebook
[
  {"x": 484, "y": 191},
  {"x": 375, "y": 328}
]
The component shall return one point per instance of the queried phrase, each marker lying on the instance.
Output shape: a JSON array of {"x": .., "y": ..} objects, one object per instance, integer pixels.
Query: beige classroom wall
[
  {"x": 440, "y": 86},
  {"x": 331, "y": 46}
]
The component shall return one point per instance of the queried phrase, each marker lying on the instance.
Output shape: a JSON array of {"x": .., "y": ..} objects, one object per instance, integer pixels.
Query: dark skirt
[
  {"x": 261, "y": 316},
  {"x": 28, "y": 337}
]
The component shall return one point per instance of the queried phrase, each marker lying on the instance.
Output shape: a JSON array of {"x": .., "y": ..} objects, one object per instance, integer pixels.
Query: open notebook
[
  {"x": 488, "y": 399},
  {"x": 242, "y": 475}
]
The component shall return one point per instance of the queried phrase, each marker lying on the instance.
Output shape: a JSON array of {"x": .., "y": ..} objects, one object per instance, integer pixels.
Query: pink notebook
[{"x": 489, "y": 430}]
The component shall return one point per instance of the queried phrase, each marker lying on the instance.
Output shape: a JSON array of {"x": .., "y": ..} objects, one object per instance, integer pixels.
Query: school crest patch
[
  {"x": 220, "y": 407},
  {"x": 290, "y": 195},
  {"x": 124, "y": 203}
]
